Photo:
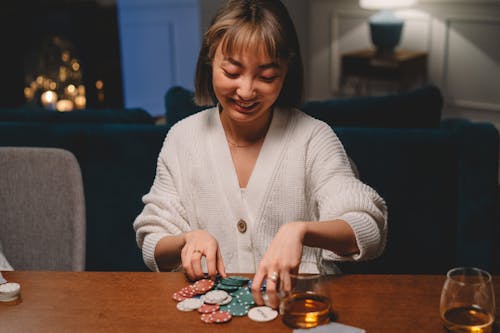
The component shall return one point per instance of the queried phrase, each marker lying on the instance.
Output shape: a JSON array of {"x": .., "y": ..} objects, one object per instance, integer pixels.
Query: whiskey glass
[
  {"x": 308, "y": 303},
  {"x": 468, "y": 301}
]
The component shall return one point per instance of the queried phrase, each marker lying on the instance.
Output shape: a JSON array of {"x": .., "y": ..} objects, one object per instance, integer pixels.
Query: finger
[
  {"x": 211, "y": 264},
  {"x": 256, "y": 285},
  {"x": 220, "y": 265},
  {"x": 196, "y": 264},
  {"x": 186, "y": 263},
  {"x": 271, "y": 291},
  {"x": 285, "y": 282}
]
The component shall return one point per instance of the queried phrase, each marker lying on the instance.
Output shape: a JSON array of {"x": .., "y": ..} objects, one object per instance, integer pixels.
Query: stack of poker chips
[
  {"x": 221, "y": 300},
  {"x": 9, "y": 291}
]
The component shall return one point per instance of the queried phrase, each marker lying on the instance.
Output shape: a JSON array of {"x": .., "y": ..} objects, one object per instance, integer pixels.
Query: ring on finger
[
  {"x": 197, "y": 251},
  {"x": 274, "y": 276}
]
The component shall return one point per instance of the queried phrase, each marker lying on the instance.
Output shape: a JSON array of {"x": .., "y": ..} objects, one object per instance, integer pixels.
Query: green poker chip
[
  {"x": 232, "y": 282},
  {"x": 246, "y": 299},
  {"x": 226, "y": 287},
  {"x": 238, "y": 309}
]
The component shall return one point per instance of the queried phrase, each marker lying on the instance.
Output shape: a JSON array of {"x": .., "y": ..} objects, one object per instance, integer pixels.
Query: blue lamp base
[{"x": 385, "y": 31}]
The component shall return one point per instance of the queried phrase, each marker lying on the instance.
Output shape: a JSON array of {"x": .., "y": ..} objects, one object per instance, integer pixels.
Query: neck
[{"x": 245, "y": 135}]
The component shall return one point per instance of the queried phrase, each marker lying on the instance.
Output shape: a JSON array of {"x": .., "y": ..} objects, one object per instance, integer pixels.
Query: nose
[{"x": 246, "y": 88}]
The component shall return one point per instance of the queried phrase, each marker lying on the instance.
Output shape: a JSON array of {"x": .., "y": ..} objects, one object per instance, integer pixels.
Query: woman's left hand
[{"x": 282, "y": 257}]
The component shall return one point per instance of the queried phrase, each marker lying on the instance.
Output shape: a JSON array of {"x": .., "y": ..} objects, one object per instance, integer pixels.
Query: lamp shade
[{"x": 385, "y": 4}]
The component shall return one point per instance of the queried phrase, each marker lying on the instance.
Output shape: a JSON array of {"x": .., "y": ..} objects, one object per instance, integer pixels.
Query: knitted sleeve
[
  {"x": 163, "y": 213},
  {"x": 338, "y": 194}
]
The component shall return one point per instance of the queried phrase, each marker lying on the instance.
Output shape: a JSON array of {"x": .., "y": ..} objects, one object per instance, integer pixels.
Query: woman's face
[{"x": 246, "y": 83}]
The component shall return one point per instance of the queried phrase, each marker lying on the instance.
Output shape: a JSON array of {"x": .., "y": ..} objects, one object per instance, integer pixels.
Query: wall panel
[{"x": 160, "y": 41}]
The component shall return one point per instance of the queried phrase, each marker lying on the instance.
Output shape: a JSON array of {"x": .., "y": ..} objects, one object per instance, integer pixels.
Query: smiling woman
[{"x": 254, "y": 185}]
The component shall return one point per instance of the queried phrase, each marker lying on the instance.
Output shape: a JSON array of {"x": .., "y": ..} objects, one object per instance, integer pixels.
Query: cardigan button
[{"x": 242, "y": 226}]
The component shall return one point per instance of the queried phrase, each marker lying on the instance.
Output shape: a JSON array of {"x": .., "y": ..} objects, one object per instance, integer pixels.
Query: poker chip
[
  {"x": 220, "y": 300},
  {"x": 227, "y": 300},
  {"x": 262, "y": 313},
  {"x": 188, "y": 291},
  {"x": 229, "y": 288},
  {"x": 189, "y": 304},
  {"x": 9, "y": 291},
  {"x": 220, "y": 316},
  {"x": 230, "y": 281},
  {"x": 262, "y": 287},
  {"x": 202, "y": 286},
  {"x": 208, "y": 308},
  {"x": 178, "y": 297},
  {"x": 207, "y": 318},
  {"x": 237, "y": 309},
  {"x": 215, "y": 296}
]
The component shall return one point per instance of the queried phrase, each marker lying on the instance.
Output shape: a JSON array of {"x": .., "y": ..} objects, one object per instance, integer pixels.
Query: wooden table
[
  {"x": 365, "y": 70},
  {"x": 141, "y": 302}
]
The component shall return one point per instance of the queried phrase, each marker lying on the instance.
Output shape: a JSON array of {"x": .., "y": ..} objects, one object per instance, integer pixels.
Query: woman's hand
[
  {"x": 198, "y": 244},
  {"x": 282, "y": 257}
]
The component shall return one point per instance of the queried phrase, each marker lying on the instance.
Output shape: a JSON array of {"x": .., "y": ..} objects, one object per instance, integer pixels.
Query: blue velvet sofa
[{"x": 439, "y": 177}]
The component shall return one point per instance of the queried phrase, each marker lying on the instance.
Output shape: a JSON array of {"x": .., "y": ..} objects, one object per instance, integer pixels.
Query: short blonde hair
[{"x": 241, "y": 25}]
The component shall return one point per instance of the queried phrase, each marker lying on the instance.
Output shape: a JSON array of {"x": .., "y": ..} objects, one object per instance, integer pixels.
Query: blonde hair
[{"x": 243, "y": 25}]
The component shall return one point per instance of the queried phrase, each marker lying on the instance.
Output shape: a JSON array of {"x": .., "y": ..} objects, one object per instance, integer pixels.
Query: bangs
[{"x": 245, "y": 37}]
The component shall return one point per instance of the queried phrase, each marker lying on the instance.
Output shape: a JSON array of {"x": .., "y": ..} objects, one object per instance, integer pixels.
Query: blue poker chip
[{"x": 262, "y": 287}]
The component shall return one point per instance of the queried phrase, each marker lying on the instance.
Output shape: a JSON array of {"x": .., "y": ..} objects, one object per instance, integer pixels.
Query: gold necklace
[{"x": 236, "y": 145}]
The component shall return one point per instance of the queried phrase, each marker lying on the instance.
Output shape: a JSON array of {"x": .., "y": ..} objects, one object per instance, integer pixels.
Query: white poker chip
[
  {"x": 262, "y": 313},
  {"x": 189, "y": 304},
  {"x": 9, "y": 291},
  {"x": 215, "y": 297},
  {"x": 227, "y": 300}
]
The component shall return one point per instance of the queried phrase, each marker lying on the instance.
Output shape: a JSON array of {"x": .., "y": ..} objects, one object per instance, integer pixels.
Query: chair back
[{"x": 42, "y": 209}]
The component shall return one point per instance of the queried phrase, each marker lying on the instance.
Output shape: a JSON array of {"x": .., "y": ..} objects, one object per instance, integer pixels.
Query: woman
[{"x": 253, "y": 184}]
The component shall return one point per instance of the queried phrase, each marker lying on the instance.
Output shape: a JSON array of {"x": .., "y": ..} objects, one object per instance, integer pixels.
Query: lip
[{"x": 244, "y": 107}]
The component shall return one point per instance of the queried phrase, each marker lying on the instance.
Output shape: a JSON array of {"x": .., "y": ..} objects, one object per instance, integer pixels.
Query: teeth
[{"x": 244, "y": 105}]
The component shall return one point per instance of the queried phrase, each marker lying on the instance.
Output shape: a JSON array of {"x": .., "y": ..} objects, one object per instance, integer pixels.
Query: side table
[{"x": 365, "y": 72}]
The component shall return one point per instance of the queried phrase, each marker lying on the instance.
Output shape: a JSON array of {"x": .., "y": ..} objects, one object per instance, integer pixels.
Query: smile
[{"x": 245, "y": 105}]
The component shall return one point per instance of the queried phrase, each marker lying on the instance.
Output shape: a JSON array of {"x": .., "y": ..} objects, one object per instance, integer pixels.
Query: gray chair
[{"x": 42, "y": 209}]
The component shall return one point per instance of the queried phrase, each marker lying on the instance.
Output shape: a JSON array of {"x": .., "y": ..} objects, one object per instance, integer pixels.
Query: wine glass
[{"x": 468, "y": 301}]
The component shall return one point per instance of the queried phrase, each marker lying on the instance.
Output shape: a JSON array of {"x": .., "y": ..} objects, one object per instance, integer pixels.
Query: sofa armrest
[{"x": 478, "y": 195}]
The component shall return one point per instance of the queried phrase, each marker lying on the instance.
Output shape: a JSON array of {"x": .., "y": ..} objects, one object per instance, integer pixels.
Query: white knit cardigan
[{"x": 302, "y": 174}]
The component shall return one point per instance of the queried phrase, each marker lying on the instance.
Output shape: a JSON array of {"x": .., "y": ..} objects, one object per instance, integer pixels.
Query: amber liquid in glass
[
  {"x": 306, "y": 310},
  {"x": 468, "y": 319}
]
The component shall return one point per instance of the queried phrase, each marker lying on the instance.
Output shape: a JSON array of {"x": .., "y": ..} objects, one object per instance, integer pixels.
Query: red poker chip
[
  {"x": 187, "y": 291},
  {"x": 220, "y": 317},
  {"x": 206, "y": 318},
  {"x": 178, "y": 297},
  {"x": 208, "y": 308},
  {"x": 202, "y": 286}
]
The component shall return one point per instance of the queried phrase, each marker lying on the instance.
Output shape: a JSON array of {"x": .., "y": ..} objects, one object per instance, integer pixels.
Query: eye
[
  {"x": 268, "y": 79},
  {"x": 231, "y": 75}
]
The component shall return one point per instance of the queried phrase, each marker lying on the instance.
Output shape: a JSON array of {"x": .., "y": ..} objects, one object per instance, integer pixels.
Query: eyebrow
[{"x": 264, "y": 66}]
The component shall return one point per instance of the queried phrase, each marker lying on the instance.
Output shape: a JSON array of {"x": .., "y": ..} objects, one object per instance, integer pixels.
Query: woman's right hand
[{"x": 198, "y": 244}]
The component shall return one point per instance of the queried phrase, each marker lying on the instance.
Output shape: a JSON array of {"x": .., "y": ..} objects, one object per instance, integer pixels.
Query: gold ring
[
  {"x": 274, "y": 277},
  {"x": 197, "y": 251}
]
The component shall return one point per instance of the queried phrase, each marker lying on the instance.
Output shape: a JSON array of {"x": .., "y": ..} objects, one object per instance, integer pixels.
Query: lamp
[{"x": 385, "y": 27}]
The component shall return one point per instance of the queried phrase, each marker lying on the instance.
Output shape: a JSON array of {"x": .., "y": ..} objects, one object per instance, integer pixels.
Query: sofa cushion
[
  {"x": 121, "y": 116},
  {"x": 419, "y": 108},
  {"x": 179, "y": 103},
  {"x": 416, "y": 172}
]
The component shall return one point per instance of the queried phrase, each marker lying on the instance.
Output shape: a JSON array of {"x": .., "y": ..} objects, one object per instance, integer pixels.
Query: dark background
[{"x": 90, "y": 27}]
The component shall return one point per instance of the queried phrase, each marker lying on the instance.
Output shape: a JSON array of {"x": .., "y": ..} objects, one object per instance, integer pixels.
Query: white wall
[{"x": 461, "y": 37}]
